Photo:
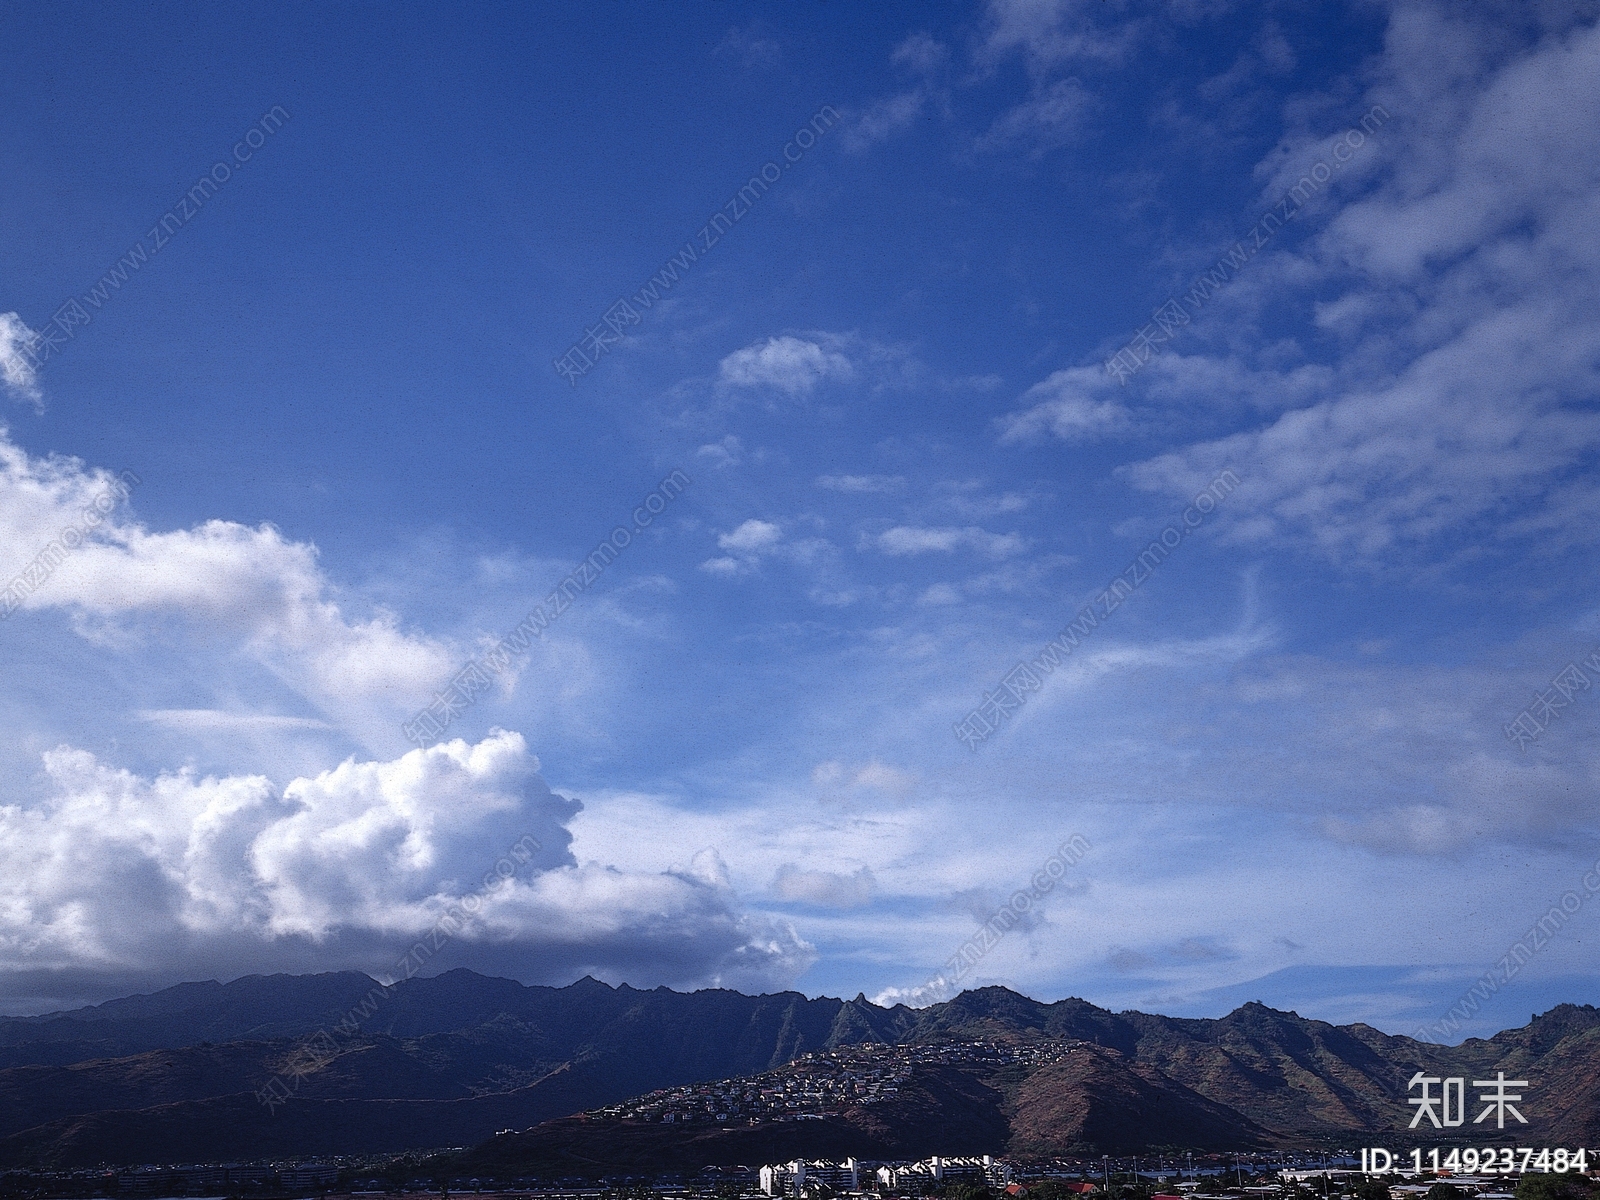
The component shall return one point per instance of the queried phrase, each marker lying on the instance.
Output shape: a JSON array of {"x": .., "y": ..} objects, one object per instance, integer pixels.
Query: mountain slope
[
  {"x": 454, "y": 1058},
  {"x": 1098, "y": 1099}
]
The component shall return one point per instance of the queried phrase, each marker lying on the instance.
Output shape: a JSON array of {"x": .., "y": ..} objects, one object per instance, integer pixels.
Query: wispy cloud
[
  {"x": 862, "y": 484},
  {"x": 828, "y": 888},
  {"x": 924, "y": 60},
  {"x": 791, "y": 365},
  {"x": 751, "y": 46},
  {"x": 16, "y": 366},
  {"x": 213, "y": 720},
  {"x": 904, "y": 540}
]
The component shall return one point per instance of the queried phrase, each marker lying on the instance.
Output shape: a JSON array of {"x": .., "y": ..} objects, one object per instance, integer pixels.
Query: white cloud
[
  {"x": 861, "y": 483},
  {"x": 885, "y": 118},
  {"x": 1053, "y": 117},
  {"x": 211, "y": 720},
  {"x": 921, "y": 53},
  {"x": 755, "y": 540},
  {"x": 251, "y": 585},
  {"x": 936, "y": 991},
  {"x": 113, "y": 874},
  {"x": 921, "y": 56},
  {"x": 751, "y": 46},
  {"x": 17, "y": 372},
  {"x": 966, "y": 497},
  {"x": 874, "y": 777},
  {"x": 1078, "y": 404},
  {"x": 1172, "y": 394},
  {"x": 788, "y": 364},
  {"x": 889, "y": 780},
  {"x": 117, "y": 880},
  {"x": 904, "y": 540},
  {"x": 723, "y": 564},
  {"x": 752, "y": 537},
  {"x": 1048, "y": 33},
  {"x": 1463, "y": 283},
  {"x": 827, "y": 888},
  {"x": 729, "y": 452}
]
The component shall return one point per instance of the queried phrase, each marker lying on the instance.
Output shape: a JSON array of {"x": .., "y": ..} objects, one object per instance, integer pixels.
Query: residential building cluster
[{"x": 822, "y": 1083}]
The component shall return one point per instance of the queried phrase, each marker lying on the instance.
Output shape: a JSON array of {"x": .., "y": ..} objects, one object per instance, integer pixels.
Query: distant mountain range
[{"x": 452, "y": 1060}]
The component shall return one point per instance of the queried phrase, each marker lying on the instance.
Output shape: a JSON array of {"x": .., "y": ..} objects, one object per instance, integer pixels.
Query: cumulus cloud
[
  {"x": 903, "y": 540},
  {"x": 936, "y": 991},
  {"x": 112, "y": 880},
  {"x": 17, "y": 372},
  {"x": 751, "y": 537},
  {"x": 745, "y": 546},
  {"x": 791, "y": 365},
  {"x": 118, "y": 876}
]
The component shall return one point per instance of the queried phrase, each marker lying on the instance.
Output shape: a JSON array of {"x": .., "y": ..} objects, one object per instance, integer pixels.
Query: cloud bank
[{"x": 112, "y": 880}]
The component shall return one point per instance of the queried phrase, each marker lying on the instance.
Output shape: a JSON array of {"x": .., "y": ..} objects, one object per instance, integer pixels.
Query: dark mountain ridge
[{"x": 453, "y": 1058}]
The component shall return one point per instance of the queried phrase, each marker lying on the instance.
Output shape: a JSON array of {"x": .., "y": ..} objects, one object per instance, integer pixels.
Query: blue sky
[{"x": 333, "y": 374}]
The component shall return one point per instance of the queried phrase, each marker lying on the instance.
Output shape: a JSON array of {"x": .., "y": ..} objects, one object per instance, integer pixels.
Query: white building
[
  {"x": 792, "y": 1178},
  {"x": 938, "y": 1169}
]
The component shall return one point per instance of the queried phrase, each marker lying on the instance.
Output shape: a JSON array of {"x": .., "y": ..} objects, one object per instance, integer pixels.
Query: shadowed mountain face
[
  {"x": 1102, "y": 1100},
  {"x": 453, "y": 1059}
]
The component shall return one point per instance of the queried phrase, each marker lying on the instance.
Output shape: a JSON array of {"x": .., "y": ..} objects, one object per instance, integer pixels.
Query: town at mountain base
[{"x": 595, "y": 1078}]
